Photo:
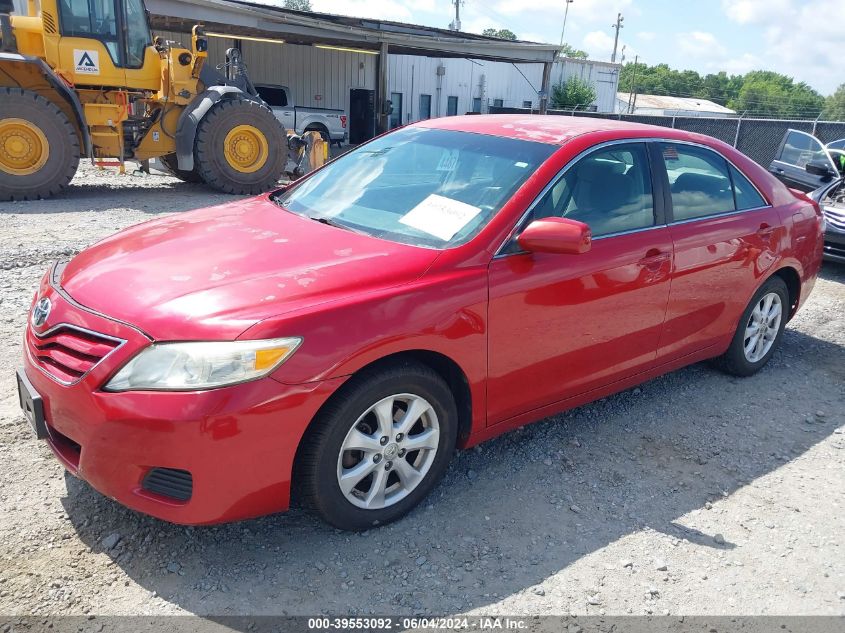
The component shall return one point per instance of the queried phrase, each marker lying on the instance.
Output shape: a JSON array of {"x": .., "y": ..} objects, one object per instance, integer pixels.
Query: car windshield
[{"x": 419, "y": 186}]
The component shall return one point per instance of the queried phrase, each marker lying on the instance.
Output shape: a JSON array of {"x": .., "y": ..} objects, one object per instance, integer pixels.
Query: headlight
[{"x": 194, "y": 366}]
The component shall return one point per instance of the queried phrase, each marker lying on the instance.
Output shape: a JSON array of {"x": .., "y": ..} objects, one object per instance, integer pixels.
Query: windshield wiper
[{"x": 322, "y": 219}]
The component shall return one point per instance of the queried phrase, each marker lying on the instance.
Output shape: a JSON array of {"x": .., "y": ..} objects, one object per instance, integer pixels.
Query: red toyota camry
[{"x": 433, "y": 288}]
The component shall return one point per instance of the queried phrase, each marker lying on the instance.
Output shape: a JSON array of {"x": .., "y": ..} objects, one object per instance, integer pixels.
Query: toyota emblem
[{"x": 40, "y": 312}]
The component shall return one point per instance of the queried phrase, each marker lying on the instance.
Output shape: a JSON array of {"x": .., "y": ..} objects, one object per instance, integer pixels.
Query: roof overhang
[{"x": 297, "y": 27}]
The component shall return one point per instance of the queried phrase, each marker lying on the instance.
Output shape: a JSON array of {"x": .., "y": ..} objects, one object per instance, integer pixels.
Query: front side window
[
  {"x": 137, "y": 33},
  {"x": 800, "y": 148},
  {"x": 419, "y": 186},
  {"x": 609, "y": 190},
  {"x": 91, "y": 19},
  {"x": 698, "y": 181}
]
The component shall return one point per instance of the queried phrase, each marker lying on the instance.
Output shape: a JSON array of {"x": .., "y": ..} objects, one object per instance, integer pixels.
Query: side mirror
[
  {"x": 820, "y": 168},
  {"x": 556, "y": 235}
]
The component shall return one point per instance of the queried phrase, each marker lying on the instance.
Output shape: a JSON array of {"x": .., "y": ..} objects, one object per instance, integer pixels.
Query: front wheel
[
  {"x": 240, "y": 147},
  {"x": 379, "y": 447},
  {"x": 759, "y": 331}
]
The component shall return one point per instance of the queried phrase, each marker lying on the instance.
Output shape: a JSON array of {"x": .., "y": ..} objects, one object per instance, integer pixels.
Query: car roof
[{"x": 553, "y": 129}]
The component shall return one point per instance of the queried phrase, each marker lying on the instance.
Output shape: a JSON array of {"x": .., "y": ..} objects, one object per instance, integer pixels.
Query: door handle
[
  {"x": 765, "y": 230},
  {"x": 654, "y": 258},
  {"x": 779, "y": 170}
]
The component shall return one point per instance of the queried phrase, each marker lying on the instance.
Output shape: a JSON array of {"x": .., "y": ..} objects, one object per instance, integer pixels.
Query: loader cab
[{"x": 105, "y": 43}]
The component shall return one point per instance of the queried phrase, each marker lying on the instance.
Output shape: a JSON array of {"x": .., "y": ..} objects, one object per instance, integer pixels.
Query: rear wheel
[
  {"x": 240, "y": 147},
  {"x": 39, "y": 148},
  {"x": 759, "y": 331},
  {"x": 378, "y": 448},
  {"x": 171, "y": 163}
]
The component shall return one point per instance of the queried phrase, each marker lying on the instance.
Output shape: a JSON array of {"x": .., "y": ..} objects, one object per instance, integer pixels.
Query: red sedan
[{"x": 436, "y": 287}]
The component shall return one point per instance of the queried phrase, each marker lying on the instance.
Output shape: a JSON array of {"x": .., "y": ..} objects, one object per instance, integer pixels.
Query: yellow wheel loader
[{"x": 83, "y": 78}]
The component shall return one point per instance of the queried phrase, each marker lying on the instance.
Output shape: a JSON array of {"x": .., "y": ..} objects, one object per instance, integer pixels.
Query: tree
[
  {"x": 759, "y": 93},
  {"x": 574, "y": 93},
  {"x": 502, "y": 34},
  {"x": 834, "y": 105},
  {"x": 298, "y": 5},
  {"x": 567, "y": 50}
]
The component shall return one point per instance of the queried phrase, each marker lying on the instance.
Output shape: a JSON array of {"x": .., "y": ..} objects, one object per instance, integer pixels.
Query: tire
[
  {"x": 324, "y": 133},
  {"x": 324, "y": 455},
  {"x": 39, "y": 146},
  {"x": 171, "y": 164},
  {"x": 210, "y": 156},
  {"x": 737, "y": 360}
]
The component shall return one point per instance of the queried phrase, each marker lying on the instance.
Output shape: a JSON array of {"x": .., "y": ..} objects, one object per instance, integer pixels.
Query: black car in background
[{"x": 804, "y": 162}]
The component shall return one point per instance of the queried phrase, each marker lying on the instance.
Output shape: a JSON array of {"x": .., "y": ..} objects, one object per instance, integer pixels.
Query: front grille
[
  {"x": 67, "y": 353},
  {"x": 835, "y": 217},
  {"x": 169, "y": 482}
]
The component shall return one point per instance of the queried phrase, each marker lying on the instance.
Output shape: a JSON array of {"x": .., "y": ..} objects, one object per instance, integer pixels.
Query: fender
[
  {"x": 189, "y": 120},
  {"x": 56, "y": 84}
]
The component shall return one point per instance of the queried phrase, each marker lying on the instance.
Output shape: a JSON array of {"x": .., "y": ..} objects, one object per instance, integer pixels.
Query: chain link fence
[{"x": 759, "y": 139}]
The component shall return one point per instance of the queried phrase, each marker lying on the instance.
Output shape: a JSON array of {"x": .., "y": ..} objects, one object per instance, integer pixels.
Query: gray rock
[
  {"x": 421, "y": 561},
  {"x": 110, "y": 541},
  {"x": 174, "y": 567},
  {"x": 661, "y": 566},
  {"x": 539, "y": 591},
  {"x": 718, "y": 539},
  {"x": 575, "y": 509}
]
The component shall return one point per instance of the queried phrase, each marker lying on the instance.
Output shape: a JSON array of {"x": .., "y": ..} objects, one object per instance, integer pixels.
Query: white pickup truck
[{"x": 328, "y": 122}]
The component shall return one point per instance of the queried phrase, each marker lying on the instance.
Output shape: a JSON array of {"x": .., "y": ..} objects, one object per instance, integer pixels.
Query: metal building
[{"x": 333, "y": 61}]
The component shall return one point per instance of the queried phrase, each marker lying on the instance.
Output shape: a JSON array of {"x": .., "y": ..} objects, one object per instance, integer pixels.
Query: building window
[
  {"x": 425, "y": 107},
  {"x": 396, "y": 114},
  {"x": 476, "y": 104},
  {"x": 451, "y": 106},
  {"x": 527, "y": 104},
  {"x": 498, "y": 103}
]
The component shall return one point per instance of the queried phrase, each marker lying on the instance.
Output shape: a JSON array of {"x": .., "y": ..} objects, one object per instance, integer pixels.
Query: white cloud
[
  {"x": 647, "y": 36},
  {"x": 700, "y": 44},
  {"x": 802, "y": 40},
  {"x": 599, "y": 44}
]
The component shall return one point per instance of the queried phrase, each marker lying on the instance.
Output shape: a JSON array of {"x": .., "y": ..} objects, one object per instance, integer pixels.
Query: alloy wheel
[
  {"x": 762, "y": 327},
  {"x": 388, "y": 451}
]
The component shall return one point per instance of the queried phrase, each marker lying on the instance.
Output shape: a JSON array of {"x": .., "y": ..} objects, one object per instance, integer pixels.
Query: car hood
[{"x": 213, "y": 273}]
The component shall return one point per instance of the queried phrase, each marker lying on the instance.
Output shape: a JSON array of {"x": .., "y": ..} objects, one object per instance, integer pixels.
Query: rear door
[
  {"x": 796, "y": 150},
  {"x": 725, "y": 237}
]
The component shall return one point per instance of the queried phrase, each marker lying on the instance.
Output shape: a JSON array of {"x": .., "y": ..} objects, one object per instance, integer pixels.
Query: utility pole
[
  {"x": 565, "y": 14},
  {"x": 456, "y": 25},
  {"x": 618, "y": 26},
  {"x": 632, "y": 88}
]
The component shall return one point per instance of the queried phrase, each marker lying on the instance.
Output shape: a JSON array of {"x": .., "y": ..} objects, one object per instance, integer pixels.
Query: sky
[{"x": 804, "y": 39}]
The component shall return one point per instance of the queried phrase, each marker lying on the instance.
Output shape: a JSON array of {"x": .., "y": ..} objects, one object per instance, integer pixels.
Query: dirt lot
[{"x": 696, "y": 493}]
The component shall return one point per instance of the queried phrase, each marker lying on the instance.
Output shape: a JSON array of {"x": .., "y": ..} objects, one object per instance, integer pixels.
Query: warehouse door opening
[{"x": 362, "y": 115}]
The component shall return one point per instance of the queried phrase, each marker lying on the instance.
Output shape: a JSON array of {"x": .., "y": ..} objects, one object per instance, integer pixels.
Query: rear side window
[
  {"x": 609, "y": 190},
  {"x": 744, "y": 192},
  {"x": 698, "y": 180},
  {"x": 274, "y": 96}
]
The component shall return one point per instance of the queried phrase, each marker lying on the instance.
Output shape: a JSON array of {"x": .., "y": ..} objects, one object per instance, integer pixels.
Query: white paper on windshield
[{"x": 440, "y": 216}]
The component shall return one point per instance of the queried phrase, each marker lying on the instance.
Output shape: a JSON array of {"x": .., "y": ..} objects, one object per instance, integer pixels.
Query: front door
[
  {"x": 562, "y": 325},
  {"x": 796, "y": 150}
]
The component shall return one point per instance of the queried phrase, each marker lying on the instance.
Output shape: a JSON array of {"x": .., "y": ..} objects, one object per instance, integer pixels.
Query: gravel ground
[{"x": 696, "y": 493}]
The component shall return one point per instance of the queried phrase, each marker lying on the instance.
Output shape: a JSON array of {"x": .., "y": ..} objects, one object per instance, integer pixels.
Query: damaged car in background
[{"x": 804, "y": 162}]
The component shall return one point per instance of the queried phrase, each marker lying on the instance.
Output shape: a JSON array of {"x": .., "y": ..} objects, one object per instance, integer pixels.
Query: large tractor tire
[
  {"x": 39, "y": 147},
  {"x": 240, "y": 147},
  {"x": 171, "y": 164}
]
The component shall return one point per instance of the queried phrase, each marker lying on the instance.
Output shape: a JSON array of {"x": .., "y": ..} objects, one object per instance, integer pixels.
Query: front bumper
[
  {"x": 238, "y": 443},
  {"x": 834, "y": 246}
]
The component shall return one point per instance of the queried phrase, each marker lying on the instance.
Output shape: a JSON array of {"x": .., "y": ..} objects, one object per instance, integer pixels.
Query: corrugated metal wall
[
  {"x": 317, "y": 78},
  {"x": 604, "y": 77}
]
